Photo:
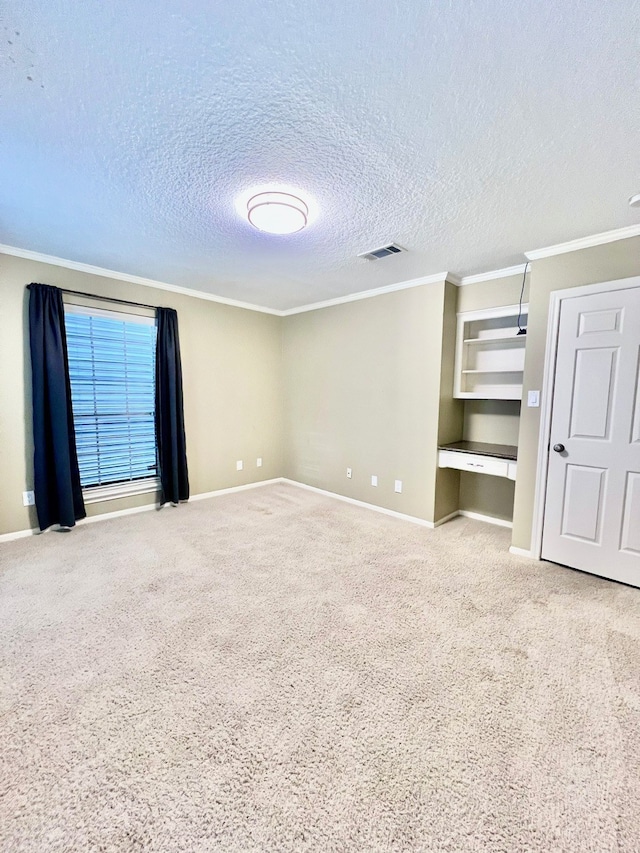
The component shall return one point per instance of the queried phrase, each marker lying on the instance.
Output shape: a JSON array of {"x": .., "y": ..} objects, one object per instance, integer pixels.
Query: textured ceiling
[{"x": 467, "y": 132}]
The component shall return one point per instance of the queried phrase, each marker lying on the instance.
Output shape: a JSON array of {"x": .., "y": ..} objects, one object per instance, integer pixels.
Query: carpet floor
[{"x": 274, "y": 670}]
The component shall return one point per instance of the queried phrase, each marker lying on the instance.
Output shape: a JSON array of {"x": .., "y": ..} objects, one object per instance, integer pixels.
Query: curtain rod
[{"x": 109, "y": 299}]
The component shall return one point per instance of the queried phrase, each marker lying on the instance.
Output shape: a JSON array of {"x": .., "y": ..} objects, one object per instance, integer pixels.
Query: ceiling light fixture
[
  {"x": 277, "y": 212},
  {"x": 634, "y": 201}
]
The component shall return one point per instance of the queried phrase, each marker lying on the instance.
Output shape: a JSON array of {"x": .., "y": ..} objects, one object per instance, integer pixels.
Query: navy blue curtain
[
  {"x": 170, "y": 435},
  {"x": 56, "y": 476}
]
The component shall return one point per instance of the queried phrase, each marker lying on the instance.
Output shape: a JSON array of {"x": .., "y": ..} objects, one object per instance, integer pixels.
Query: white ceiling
[{"x": 467, "y": 132}]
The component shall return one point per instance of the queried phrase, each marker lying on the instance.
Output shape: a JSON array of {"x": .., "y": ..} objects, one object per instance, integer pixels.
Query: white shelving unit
[{"x": 490, "y": 354}]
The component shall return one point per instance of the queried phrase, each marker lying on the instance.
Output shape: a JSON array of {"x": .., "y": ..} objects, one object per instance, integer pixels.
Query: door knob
[{"x": 559, "y": 448}]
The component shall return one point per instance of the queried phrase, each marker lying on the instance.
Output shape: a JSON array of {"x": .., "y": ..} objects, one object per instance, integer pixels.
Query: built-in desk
[{"x": 498, "y": 460}]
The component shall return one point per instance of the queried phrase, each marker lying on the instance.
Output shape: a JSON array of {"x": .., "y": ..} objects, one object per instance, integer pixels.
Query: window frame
[{"x": 129, "y": 488}]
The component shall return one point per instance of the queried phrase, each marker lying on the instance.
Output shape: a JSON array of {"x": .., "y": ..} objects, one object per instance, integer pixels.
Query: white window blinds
[{"x": 112, "y": 372}]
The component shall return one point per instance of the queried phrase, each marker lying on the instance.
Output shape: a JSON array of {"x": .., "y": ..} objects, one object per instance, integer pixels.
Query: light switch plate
[
  {"x": 533, "y": 399},
  {"x": 374, "y": 479},
  {"x": 398, "y": 486},
  {"x": 239, "y": 465}
]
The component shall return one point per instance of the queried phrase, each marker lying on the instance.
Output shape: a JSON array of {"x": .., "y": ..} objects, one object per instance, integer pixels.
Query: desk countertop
[{"x": 482, "y": 448}]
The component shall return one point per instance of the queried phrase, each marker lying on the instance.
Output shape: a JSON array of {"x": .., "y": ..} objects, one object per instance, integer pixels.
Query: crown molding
[
  {"x": 505, "y": 272},
  {"x": 28, "y": 255},
  {"x": 368, "y": 294},
  {"x": 584, "y": 242},
  {"x": 459, "y": 281}
]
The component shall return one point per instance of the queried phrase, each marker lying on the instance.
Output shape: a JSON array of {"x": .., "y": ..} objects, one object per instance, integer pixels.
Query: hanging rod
[{"x": 109, "y": 299}]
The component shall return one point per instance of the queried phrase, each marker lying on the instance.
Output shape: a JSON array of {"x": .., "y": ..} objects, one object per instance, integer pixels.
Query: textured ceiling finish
[{"x": 468, "y": 133}]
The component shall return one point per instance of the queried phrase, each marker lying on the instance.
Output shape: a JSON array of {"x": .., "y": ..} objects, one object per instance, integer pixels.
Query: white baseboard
[
  {"x": 21, "y": 534},
  {"x": 412, "y": 518},
  {"x": 35, "y": 531},
  {"x": 446, "y": 518},
  {"x": 488, "y": 519},
  {"x": 18, "y": 534},
  {"x": 117, "y": 513},
  {"x": 203, "y": 495},
  {"x": 521, "y": 552}
]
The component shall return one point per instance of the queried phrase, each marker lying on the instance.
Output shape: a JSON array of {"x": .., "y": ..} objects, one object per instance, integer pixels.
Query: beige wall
[
  {"x": 492, "y": 294},
  {"x": 496, "y": 421},
  {"x": 232, "y": 366},
  {"x": 362, "y": 390},
  {"x": 589, "y": 266},
  {"x": 366, "y": 384},
  {"x": 451, "y": 411}
]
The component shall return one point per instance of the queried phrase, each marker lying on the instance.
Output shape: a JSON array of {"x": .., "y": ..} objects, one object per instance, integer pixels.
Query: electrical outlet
[
  {"x": 259, "y": 462},
  {"x": 374, "y": 479},
  {"x": 28, "y": 499},
  {"x": 349, "y": 473},
  {"x": 398, "y": 486},
  {"x": 239, "y": 465}
]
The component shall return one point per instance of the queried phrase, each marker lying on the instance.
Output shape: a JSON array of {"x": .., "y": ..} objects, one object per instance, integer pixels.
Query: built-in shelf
[
  {"x": 502, "y": 339},
  {"x": 492, "y": 371},
  {"x": 490, "y": 353}
]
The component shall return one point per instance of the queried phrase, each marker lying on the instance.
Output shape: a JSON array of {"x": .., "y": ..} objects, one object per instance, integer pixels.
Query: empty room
[{"x": 319, "y": 427}]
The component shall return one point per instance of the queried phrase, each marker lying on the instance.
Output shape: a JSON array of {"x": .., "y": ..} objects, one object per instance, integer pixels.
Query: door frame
[{"x": 556, "y": 298}]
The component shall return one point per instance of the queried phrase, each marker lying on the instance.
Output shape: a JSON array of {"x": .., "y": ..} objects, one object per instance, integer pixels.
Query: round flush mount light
[
  {"x": 634, "y": 201},
  {"x": 277, "y": 212}
]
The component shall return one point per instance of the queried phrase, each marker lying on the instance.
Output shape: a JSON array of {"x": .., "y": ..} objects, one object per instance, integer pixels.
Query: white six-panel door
[{"x": 592, "y": 507}]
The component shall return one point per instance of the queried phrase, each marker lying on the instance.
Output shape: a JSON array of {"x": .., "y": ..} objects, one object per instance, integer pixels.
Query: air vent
[{"x": 382, "y": 252}]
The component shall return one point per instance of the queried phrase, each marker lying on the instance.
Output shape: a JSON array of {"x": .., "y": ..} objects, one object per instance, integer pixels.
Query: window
[{"x": 112, "y": 373}]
